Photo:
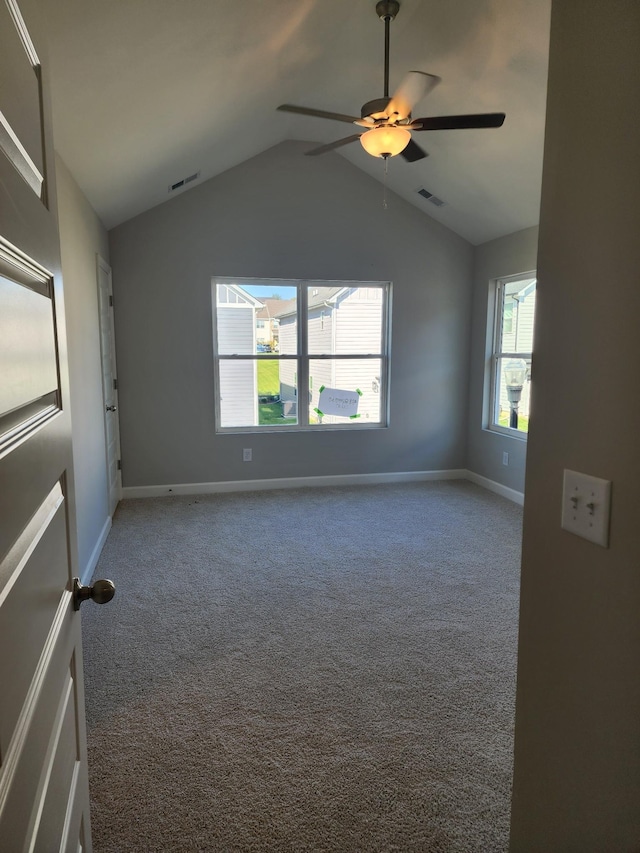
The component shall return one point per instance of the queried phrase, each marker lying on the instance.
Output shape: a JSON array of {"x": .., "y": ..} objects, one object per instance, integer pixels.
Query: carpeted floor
[{"x": 306, "y": 670}]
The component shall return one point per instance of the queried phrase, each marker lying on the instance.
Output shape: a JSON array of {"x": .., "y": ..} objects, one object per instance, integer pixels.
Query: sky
[{"x": 265, "y": 291}]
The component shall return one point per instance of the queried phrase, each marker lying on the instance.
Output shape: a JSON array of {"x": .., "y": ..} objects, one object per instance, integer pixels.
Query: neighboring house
[
  {"x": 236, "y": 334},
  {"x": 267, "y": 323},
  {"x": 338, "y": 325}
]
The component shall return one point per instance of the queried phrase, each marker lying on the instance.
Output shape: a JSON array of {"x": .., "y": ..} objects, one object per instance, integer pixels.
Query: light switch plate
[{"x": 586, "y": 506}]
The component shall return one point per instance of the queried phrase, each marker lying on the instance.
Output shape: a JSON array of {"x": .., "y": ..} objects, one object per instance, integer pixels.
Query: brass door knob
[{"x": 100, "y": 591}]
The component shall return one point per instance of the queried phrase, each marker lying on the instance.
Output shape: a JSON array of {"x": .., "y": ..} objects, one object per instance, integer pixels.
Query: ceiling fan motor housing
[
  {"x": 387, "y": 9},
  {"x": 375, "y": 109}
]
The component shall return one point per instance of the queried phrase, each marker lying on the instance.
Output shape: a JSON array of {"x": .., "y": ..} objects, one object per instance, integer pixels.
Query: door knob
[
  {"x": 100, "y": 591},
  {"x": 111, "y": 408}
]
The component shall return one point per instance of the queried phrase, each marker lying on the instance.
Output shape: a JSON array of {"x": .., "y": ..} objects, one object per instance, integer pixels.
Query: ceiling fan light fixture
[{"x": 385, "y": 141}]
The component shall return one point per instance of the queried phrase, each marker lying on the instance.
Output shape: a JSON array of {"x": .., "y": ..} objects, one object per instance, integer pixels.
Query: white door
[
  {"x": 109, "y": 383},
  {"x": 44, "y": 795}
]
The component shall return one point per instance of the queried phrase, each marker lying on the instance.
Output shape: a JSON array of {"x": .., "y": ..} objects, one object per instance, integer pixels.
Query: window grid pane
[
  {"x": 345, "y": 320},
  {"x": 362, "y": 378}
]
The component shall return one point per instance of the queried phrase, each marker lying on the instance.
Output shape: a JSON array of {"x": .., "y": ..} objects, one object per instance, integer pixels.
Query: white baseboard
[
  {"x": 326, "y": 480},
  {"x": 498, "y": 488},
  {"x": 89, "y": 569},
  {"x": 291, "y": 483}
]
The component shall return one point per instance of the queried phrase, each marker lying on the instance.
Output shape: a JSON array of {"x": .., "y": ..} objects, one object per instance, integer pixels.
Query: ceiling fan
[{"x": 387, "y": 121}]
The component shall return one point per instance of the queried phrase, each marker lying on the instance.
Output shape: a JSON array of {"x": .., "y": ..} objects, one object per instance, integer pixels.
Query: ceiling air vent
[
  {"x": 431, "y": 197},
  {"x": 183, "y": 182}
]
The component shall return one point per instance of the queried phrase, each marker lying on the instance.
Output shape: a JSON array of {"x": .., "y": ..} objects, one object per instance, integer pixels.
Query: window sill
[
  {"x": 273, "y": 430},
  {"x": 507, "y": 432}
]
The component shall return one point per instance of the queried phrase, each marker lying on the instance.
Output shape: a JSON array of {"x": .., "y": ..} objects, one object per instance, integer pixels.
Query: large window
[
  {"x": 324, "y": 365},
  {"x": 512, "y": 350}
]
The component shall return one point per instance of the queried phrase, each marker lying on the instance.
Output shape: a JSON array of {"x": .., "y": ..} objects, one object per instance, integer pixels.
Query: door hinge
[
  {"x": 110, "y": 301},
  {"x": 115, "y": 384},
  {"x": 119, "y": 464}
]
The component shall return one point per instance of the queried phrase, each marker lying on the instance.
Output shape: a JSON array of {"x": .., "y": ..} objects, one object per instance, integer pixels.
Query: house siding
[
  {"x": 236, "y": 334},
  {"x": 238, "y": 394},
  {"x": 358, "y": 321},
  {"x": 362, "y": 376},
  {"x": 320, "y": 329},
  {"x": 321, "y": 373},
  {"x": 236, "y": 330},
  {"x": 288, "y": 369}
]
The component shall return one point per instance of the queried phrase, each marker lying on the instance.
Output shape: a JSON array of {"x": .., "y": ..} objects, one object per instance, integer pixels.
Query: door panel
[
  {"x": 58, "y": 771},
  {"x": 21, "y": 116},
  {"x": 44, "y": 796},
  {"x": 40, "y": 546},
  {"x": 27, "y": 346},
  {"x": 42, "y": 758}
]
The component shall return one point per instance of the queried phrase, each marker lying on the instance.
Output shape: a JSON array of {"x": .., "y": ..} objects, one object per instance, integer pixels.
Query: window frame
[
  {"x": 497, "y": 354},
  {"x": 303, "y": 357}
]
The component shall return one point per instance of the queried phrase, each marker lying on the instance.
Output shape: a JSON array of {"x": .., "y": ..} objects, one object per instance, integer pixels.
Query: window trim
[
  {"x": 303, "y": 357},
  {"x": 498, "y": 287}
]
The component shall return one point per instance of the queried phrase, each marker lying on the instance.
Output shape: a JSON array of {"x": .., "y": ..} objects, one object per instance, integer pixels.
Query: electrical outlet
[
  {"x": 505, "y": 458},
  {"x": 247, "y": 454},
  {"x": 586, "y": 503}
]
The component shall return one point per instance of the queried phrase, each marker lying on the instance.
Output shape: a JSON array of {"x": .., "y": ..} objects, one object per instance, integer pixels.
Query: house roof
[
  {"x": 147, "y": 95},
  {"x": 521, "y": 289},
  {"x": 289, "y": 306},
  {"x": 270, "y": 308},
  {"x": 324, "y": 295}
]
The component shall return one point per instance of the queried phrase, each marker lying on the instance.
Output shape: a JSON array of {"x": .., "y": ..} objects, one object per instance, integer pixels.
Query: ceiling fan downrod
[{"x": 386, "y": 11}]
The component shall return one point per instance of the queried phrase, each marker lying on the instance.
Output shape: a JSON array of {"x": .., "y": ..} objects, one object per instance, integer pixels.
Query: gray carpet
[{"x": 306, "y": 670}]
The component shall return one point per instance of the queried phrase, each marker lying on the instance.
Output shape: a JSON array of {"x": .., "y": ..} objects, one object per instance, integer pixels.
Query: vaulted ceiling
[{"x": 148, "y": 92}]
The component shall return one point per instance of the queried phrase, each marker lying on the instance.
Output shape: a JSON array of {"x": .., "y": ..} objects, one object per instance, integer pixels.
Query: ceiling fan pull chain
[{"x": 384, "y": 184}]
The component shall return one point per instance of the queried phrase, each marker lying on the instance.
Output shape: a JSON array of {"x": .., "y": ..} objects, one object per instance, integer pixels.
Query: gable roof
[
  {"x": 289, "y": 306},
  {"x": 329, "y": 294},
  {"x": 270, "y": 308}
]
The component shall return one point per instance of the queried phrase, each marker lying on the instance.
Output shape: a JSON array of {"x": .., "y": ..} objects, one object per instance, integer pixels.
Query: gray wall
[
  {"x": 510, "y": 255},
  {"x": 81, "y": 237},
  {"x": 285, "y": 215},
  {"x": 577, "y": 747}
]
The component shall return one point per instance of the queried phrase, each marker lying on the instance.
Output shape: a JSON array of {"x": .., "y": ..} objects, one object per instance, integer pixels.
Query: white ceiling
[{"x": 146, "y": 92}]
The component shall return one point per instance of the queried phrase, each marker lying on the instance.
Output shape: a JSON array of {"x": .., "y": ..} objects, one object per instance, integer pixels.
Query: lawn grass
[
  {"x": 271, "y": 413},
  {"x": 269, "y": 386},
  {"x": 268, "y": 377}
]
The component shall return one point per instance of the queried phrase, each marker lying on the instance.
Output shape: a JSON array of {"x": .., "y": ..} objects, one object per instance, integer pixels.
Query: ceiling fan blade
[
  {"x": 413, "y": 152},
  {"x": 309, "y": 111},
  {"x": 414, "y": 87},
  {"x": 458, "y": 122},
  {"x": 331, "y": 145}
]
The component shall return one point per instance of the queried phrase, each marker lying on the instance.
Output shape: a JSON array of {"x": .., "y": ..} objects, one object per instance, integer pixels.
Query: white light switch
[{"x": 586, "y": 503}]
